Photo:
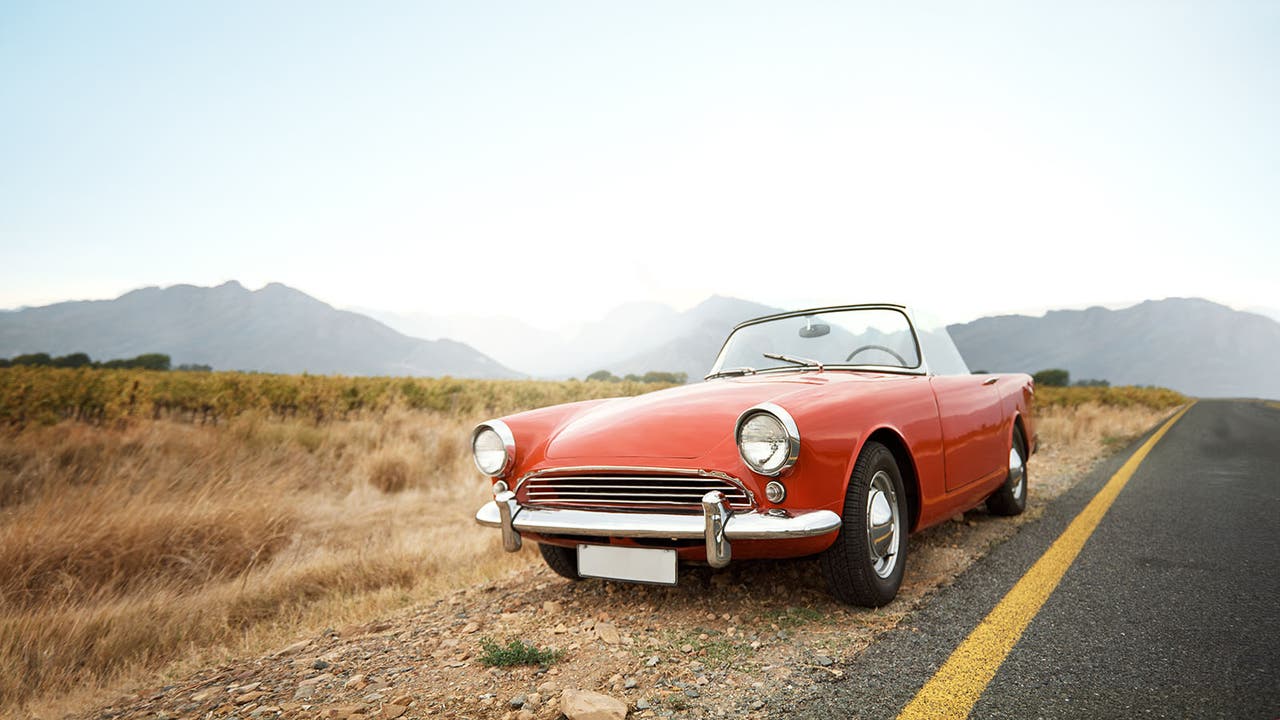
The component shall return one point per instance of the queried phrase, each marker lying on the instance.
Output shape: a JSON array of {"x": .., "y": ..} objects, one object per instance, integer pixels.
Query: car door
[{"x": 970, "y": 414}]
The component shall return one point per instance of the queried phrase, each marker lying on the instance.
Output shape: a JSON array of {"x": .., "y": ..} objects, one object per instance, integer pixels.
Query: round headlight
[
  {"x": 768, "y": 440},
  {"x": 493, "y": 448}
]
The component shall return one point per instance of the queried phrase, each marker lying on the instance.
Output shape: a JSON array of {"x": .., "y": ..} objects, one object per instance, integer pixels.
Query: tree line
[
  {"x": 653, "y": 376},
  {"x": 145, "y": 361},
  {"x": 1057, "y": 377}
]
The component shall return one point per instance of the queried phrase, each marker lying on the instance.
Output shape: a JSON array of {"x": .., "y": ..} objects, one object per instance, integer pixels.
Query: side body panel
[{"x": 972, "y": 419}]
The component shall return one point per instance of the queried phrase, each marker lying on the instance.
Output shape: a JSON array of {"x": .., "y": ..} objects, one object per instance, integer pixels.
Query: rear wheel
[
  {"x": 562, "y": 560},
  {"x": 866, "y": 563},
  {"x": 1011, "y": 498}
]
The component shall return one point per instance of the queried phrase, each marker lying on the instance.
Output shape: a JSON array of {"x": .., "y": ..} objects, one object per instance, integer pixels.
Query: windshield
[{"x": 872, "y": 337}]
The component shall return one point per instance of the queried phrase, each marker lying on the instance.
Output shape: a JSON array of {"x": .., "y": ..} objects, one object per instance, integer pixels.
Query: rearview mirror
[{"x": 813, "y": 329}]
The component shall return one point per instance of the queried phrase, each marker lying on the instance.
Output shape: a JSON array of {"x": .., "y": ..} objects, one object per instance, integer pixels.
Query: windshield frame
[{"x": 921, "y": 368}]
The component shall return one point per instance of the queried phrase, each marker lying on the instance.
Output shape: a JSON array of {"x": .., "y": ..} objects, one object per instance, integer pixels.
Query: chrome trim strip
[
  {"x": 625, "y": 470},
  {"x": 508, "y": 441},
  {"x": 740, "y": 526},
  {"x": 788, "y": 424}
]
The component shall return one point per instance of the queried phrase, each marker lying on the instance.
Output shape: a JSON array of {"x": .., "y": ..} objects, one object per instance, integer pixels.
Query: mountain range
[
  {"x": 1192, "y": 345},
  {"x": 274, "y": 329}
]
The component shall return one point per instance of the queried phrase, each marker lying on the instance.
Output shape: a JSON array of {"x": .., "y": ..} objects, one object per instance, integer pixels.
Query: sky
[{"x": 548, "y": 161}]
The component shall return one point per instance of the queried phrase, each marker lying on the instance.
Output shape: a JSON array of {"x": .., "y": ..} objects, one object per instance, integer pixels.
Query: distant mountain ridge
[
  {"x": 274, "y": 329},
  {"x": 1195, "y": 346},
  {"x": 634, "y": 337},
  {"x": 1192, "y": 345}
]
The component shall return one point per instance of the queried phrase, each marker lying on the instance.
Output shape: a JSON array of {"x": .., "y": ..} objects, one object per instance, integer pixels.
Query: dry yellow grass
[
  {"x": 123, "y": 550},
  {"x": 160, "y": 545}
]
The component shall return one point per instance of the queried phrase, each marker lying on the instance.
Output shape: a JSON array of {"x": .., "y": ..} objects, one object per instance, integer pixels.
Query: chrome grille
[{"x": 668, "y": 493}]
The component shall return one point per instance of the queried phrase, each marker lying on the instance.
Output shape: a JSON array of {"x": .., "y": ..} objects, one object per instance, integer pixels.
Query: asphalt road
[{"x": 1171, "y": 609}]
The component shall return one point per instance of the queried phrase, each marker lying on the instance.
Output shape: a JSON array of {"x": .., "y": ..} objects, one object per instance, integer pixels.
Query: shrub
[
  {"x": 516, "y": 652},
  {"x": 1054, "y": 377}
]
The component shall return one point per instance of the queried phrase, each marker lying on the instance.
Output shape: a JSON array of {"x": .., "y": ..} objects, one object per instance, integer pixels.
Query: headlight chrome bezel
[
  {"x": 789, "y": 427},
  {"x": 504, "y": 434}
]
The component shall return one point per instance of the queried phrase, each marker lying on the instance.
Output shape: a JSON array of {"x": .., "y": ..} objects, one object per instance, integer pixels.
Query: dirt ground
[{"x": 717, "y": 645}]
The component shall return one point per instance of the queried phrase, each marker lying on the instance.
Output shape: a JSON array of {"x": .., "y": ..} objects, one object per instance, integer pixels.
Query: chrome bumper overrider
[{"x": 717, "y": 525}]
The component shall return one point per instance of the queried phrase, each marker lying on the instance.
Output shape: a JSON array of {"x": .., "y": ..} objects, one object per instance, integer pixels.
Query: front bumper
[{"x": 718, "y": 525}]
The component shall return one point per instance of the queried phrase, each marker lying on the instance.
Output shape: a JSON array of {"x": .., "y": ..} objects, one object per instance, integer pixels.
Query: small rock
[
  {"x": 470, "y": 628},
  {"x": 356, "y": 682},
  {"x": 319, "y": 665},
  {"x": 304, "y": 692},
  {"x": 653, "y": 660},
  {"x": 551, "y": 607},
  {"x": 642, "y": 704},
  {"x": 525, "y": 715},
  {"x": 533, "y": 701},
  {"x": 587, "y": 705},
  {"x": 547, "y": 688},
  {"x": 823, "y": 660},
  {"x": 686, "y": 648},
  {"x": 756, "y": 705},
  {"x": 393, "y": 711},
  {"x": 294, "y": 649},
  {"x": 608, "y": 633},
  {"x": 630, "y": 684},
  {"x": 691, "y": 692},
  {"x": 518, "y": 702}
]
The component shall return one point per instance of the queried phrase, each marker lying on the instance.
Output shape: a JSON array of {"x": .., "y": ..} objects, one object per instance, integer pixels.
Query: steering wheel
[{"x": 877, "y": 347}]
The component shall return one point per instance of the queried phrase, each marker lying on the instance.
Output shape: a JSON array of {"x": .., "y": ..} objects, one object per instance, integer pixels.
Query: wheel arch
[
  {"x": 897, "y": 445},
  {"x": 1020, "y": 426}
]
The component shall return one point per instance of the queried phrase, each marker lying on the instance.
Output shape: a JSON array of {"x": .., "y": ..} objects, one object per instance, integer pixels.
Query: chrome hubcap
[
  {"x": 1017, "y": 472},
  {"x": 882, "y": 524}
]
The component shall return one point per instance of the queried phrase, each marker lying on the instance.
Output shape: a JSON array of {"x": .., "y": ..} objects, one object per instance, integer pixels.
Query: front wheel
[
  {"x": 1011, "y": 498},
  {"x": 866, "y": 563}
]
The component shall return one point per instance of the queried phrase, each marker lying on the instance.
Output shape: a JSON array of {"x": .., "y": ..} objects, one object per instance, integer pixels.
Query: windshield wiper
[
  {"x": 744, "y": 370},
  {"x": 805, "y": 362}
]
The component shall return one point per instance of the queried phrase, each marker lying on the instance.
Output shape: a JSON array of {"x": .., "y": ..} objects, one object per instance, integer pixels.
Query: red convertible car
[{"x": 834, "y": 431}]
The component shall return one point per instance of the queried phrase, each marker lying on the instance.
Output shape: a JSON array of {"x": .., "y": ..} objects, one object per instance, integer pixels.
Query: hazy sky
[{"x": 550, "y": 160}]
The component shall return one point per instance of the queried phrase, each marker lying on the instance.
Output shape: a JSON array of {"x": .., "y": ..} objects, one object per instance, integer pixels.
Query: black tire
[
  {"x": 562, "y": 560},
  {"x": 851, "y": 573},
  {"x": 1011, "y": 498}
]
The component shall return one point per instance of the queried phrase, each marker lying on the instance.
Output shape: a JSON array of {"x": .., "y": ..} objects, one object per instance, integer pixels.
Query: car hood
[{"x": 683, "y": 422}]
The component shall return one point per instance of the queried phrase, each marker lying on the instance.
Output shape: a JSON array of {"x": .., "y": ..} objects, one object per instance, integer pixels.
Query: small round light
[
  {"x": 500, "y": 487},
  {"x": 492, "y": 448},
  {"x": 775, "y": 491}
]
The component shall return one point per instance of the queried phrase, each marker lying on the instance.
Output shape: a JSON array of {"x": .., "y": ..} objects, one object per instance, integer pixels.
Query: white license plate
[{"x": 642, "y": 565}]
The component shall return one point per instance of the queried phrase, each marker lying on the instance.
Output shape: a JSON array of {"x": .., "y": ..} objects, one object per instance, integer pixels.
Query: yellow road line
[{"x": 956, "y": 687}]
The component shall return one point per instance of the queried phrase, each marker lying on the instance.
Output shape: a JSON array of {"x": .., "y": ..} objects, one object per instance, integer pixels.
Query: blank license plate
[{"x": 642, "y": 565}]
